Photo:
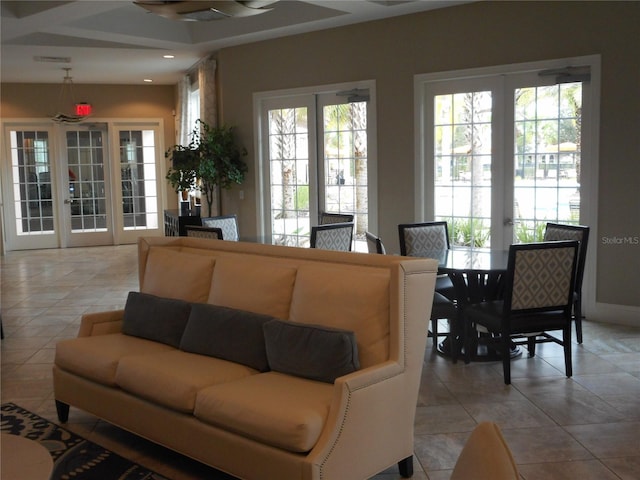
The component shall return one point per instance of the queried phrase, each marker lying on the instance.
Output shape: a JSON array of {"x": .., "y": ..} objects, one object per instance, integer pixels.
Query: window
[
  {"x": 507, "y": 150},
  {"x": 316, "y": 155}
]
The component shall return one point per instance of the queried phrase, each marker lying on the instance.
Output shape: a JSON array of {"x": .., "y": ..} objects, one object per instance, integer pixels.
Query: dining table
[{"x": 477, "y": 275}]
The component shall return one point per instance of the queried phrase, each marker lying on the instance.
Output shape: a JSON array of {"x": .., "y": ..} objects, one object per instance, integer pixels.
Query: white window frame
[
  {"x": 261, "y": 101},
  {"x": 424, "y": 167}
]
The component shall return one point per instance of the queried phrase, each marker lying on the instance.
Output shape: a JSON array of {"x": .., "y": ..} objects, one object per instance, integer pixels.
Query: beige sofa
[{"x": 261, "y": 423}]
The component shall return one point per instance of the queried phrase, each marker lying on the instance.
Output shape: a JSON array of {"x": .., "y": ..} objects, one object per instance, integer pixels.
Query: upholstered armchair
[
  {"x": 538, "y": 298},
  {"x": 557, "y": 231},
  {"x": 423, "y": 240}
]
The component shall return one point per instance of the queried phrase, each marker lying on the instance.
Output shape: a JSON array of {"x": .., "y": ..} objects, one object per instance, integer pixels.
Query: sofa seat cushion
[
  {"x": 97, "y": 357},
  {"x": 174, "y": 378},
  {"x": 277, "y": 409}
]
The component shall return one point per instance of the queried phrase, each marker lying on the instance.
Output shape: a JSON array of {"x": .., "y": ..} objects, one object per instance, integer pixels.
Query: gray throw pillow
[
  {"x": 310, "y": 351},
  {"x": 227, "y": 333},
  {"x": 155, "y": 318}
]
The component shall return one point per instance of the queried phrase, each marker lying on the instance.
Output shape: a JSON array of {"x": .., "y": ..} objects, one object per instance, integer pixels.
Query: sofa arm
[
  {"x": 370, "y": 424},
  {"x": 101, "y": 323}
]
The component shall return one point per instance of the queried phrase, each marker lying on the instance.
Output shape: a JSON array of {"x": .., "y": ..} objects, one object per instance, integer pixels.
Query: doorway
[
  {"x": 70, "y": 185},
  {"x": 506, "y": 150},
  {"x": 317, "y": 153}
]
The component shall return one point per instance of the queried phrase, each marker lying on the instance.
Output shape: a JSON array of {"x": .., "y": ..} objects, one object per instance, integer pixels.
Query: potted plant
[
  {"x": 221, "y": 164},
  {"x": 183, "y": 171},
  {"x": 212, "y": 159}
]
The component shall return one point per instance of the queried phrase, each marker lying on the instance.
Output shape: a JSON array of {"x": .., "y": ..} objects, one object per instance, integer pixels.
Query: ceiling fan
[{"x": 204, "y": 11}]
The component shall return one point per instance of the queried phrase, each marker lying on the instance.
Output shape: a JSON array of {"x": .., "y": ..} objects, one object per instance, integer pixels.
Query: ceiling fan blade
[{"x": 204, "y": 10}]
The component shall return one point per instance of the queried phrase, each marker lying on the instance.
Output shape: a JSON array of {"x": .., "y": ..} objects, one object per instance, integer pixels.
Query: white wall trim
[{"x": 615, "y": 314}]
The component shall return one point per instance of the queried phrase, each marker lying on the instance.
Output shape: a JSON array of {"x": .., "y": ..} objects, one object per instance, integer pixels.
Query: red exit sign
[{"x": 83, "y": 109}]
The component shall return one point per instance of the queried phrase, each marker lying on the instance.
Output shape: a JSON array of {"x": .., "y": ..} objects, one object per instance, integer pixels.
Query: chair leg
[
  {"x": 577, "y": 310},
  {"x": 566, "y": 340},
  {"x": 453, "y": 339},
  {"x": 506, "y": 357},
  {"x": 466, "y": 339},
  {"x": 434, "y": 331},
  {"x": 531, "y": 346}
]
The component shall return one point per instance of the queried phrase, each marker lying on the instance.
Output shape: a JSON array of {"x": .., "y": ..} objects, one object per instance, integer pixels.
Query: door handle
[
  {"x": 508, "y": 222},
  {"x": 68, "y": 201}
]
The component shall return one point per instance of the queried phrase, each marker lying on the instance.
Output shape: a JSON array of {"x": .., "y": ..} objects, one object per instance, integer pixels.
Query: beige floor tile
[
  {"x": 606, "y": 440},
  {"x": 544, "y": 445},
  {"x": 443, "y": 419},
  {"x": 586, "y": 427},
  {"x": 582, "y": 470},
  {"x": 627, "y": 468}
]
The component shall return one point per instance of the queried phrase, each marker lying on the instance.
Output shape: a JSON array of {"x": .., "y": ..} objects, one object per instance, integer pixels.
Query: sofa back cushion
[
  {"x": 227, "y": 333},
  {"x": 252, "y": 283},
  {"x": 350, "y": 298},
  {"x": 155, "y": 318},
  {"x": 315, "y": 352},
  {"x": 173, "y": 274}
]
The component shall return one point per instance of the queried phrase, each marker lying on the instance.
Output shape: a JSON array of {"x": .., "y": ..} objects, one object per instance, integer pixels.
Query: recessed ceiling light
[
  {"x": 148, "y": 80},
  {"x": 168, "y": 56}
]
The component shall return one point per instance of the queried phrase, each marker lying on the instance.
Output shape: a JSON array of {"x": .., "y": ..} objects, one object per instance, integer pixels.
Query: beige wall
[
  {"x": 109, "y": 101},
  {"x": 480, "y": 34},
  {"x": 391, "y": 52}
]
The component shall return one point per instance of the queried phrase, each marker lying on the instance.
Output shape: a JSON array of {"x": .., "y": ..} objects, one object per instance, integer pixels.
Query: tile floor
[{"x": 586, "y": 427}]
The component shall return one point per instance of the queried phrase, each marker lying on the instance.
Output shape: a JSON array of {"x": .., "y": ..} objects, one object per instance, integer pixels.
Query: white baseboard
[{"x": 617, "y": 314}]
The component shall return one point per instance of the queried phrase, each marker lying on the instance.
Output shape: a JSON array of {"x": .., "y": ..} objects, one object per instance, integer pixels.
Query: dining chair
[
  {"x": 374, "y": 244},
  {"x": 326, "y": 217},
  {"x": 538, "y": 298},
  {"x": 332, "y": 236},
  {"x": 228, "y": 224},
  {"x": 558, "y": 231},
  {"x": 485, "y": 456},
  {"x": 214, "y": 233},
  {"x": 443, "y": 308},
  {"x": 422, "y": 240}
]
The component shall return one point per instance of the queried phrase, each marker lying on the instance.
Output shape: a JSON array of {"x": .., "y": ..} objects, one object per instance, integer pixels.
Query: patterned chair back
[
  {"x": 541, "y": 276},
  {"x": 333, "y": 236},
  {"x": 197, "y": 231},
  {"x": 228, "y": 224},
  {"x": 374, "y": 244},
  {"x": 557, "y": 231},
  {"x": 419, "y": 239},
  {"x": 326, "y": 217}
]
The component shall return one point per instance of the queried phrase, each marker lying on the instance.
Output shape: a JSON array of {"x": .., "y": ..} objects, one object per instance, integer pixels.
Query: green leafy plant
[
  {"x": 469, "y": 233},
  {"x": 183, "y": 171},
  {"x": 212, "y": 159},
  {"x": 526, "y": 234}
]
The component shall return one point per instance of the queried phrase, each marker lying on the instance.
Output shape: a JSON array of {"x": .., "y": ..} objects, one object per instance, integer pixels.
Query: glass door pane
[
  {"x": 463, "y": 162},
  {"x": 289, "y": 176},
  {"x": 345, "y": 188},
  {"x": 84, "y": 188},
  {"x": 547, "y": 151},
  {"x": 86, "y": 180},
  {"x": 31, "y": 179},
  {"x": 138, "y": 179}
]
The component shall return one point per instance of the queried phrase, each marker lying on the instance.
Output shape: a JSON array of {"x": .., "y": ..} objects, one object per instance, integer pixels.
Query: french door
[
  {"x": 69, "y": 185},
  {"x": 505, "y": 153},
  {"x": 316, "y": 155}
]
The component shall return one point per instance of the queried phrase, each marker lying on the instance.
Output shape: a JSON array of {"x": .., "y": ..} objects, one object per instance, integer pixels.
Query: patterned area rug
[{"x": 73, "y": 456}]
